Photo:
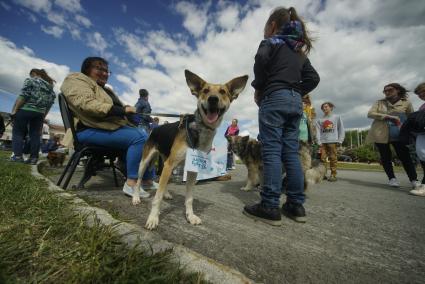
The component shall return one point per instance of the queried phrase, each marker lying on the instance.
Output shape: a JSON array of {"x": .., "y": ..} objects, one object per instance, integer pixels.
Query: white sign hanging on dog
[
  {"x": 207, "y": 165},
  {"x": 197, "y": 161}
]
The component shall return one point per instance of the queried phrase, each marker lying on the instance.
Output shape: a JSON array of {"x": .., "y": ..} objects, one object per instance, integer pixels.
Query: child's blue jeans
[{"x": 279, "y": 118}]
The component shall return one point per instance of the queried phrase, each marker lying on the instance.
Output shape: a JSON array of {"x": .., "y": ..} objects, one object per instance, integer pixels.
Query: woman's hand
[
  {"x": 393, "y": 118},
  {"x": 130, "y": 109}
]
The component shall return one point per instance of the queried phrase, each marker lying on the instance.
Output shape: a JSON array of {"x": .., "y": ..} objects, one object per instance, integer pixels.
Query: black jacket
[
  {"x": 414, "y": 124},
  {"x": 279, "y": 67},
  {"x": 2, "y": 126}
]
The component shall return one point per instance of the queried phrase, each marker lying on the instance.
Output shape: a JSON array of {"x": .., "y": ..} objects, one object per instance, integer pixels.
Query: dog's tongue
[{"x": 212, "y": 117}]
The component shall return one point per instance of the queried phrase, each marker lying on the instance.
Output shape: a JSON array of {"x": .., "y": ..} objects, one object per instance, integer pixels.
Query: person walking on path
[
  {"x": 30, "y": 109},
  {"x": 330, "y": 134},
  {"x": 232, "y": 130},
  {"x": 283, "y": 74},
  {"x": 388, "y": 114}
]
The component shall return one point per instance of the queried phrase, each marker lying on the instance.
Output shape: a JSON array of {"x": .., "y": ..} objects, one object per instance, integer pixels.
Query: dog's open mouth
[{"x": 212, "y": 113}]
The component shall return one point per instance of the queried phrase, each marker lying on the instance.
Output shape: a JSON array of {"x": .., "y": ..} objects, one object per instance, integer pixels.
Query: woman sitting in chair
[{"x": 101, "y": 118}]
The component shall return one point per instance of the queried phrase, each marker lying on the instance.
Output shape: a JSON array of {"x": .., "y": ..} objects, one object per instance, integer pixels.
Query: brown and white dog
[
  {"x": 249, "y": 151},
  {"x": 172, "y": 140},
  {"x": 55, "y": 159}
]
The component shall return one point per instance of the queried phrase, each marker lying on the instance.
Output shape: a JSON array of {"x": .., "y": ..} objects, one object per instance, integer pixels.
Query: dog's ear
[
  {"x": 194, "y": 82},
  {"x": 245, "y": 139},
  {"x": 236, "y": 86}
]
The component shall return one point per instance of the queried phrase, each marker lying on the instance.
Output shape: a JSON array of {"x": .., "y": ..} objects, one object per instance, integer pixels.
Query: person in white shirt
[{"x": 330, "y": 133}]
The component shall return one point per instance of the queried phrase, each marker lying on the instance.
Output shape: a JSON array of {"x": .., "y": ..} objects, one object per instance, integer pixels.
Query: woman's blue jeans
[
  {"x": 279, "y": 119},
  {"x": 130, "y": 139},
  {"x": 27, "y": 122}
]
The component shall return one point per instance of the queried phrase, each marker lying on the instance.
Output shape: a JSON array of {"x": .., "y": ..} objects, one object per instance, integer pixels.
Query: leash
[{"x": 161, "y": 114}]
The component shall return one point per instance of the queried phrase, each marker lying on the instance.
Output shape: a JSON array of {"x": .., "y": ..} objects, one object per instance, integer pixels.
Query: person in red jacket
[{"x": 232, "y": 130}]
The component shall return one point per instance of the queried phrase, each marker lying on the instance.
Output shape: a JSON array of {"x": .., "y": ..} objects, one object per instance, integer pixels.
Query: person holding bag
[{"x": 388, "y": 114}]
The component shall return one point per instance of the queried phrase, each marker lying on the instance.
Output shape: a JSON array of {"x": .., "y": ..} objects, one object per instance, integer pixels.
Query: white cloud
[
  {"x": 72, "y": 6},
  {"x": 17, "y": 62},
  {"x": 56, "y": 18},
  {"x": 83, "y": 20},
  {"x": 124, "y": 8},
  {"x": 65, "y": 15},
  {"x": 195, "y": 17},
  {"x": 228, "y": 16},
  {"x": 97, "y": 42},
  {"x": 28, "y": 50},
  {"x": 5, "y": 6},
  {"x": 134, "y": 47},
  {"x": 75, "y": 33},
  {"x": 32, "y": 18},
  {"x": 35, "y": 5},
  {"x": 360, "y": 46},
  {"x": 53, "y": 30}
]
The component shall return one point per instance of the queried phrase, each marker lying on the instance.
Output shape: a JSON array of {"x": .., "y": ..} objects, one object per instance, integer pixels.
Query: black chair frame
[{"x": 95, "y": 154}]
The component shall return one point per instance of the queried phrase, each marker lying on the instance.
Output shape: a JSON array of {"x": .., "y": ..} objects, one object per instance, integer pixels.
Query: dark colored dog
[{"x": 55, "y": 159}]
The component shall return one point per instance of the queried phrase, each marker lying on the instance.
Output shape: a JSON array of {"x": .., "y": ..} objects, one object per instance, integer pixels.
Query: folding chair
[{"x": 95, "y": 154}]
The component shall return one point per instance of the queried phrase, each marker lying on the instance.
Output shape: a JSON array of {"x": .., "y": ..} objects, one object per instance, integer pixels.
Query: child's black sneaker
[
  {"x": 294, "y": 211},
  {"x": 270, "y": 216}
]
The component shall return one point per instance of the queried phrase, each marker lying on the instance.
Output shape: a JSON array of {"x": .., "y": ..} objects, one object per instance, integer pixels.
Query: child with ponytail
[{"x": 283, "y": 75}]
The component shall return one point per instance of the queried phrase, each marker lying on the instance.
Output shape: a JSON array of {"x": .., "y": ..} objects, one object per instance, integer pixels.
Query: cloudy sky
[{"x": 360, "y": 46}]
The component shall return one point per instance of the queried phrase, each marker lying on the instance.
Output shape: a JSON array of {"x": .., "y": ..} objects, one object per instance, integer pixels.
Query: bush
[{"x": 364, "y": 153}]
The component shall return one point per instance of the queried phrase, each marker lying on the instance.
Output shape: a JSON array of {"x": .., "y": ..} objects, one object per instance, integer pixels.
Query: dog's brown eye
[
  {"x": 206, "y": 91},
  {"x": 221, "y": 91}
]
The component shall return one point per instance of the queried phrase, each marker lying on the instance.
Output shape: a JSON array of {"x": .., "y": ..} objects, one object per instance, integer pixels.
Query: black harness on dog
[
  {"x": 192, "y": 134},
  {"x": 164, "y": 135}
]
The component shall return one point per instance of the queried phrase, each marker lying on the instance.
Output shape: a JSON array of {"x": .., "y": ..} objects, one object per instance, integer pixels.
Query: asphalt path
[{"x": 359, "y": 230}]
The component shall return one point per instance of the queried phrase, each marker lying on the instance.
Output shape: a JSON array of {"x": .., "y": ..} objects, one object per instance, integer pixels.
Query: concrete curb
[{"x": 135, "y": 235}]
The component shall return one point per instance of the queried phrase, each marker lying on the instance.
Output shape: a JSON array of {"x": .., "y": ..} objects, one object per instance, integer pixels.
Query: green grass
[
  {"x": 364, "y": 167},
  {"x": 356, "y": 166},
  {"x": 42, "y": 240}
]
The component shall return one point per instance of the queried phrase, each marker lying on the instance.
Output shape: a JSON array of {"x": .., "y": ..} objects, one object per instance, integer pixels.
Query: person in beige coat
[
  {"x": 100, "y": 116},
  {"x": 384, "y": 112}
]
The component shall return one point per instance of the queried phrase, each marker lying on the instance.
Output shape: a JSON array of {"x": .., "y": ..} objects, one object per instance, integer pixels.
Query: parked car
[{"x": 344, "y": 158}]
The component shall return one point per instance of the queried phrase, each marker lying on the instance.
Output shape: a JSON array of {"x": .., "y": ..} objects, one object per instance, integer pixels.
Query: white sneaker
[
  {"x": 233, "y": 168},
  {"x": 129, "y": 191},
  {"x": 419, "y": 191},
  {"x": 153, "y": 186},
  {"x": 415, "y": 184},
  {"x": 394, "y": 182}
]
